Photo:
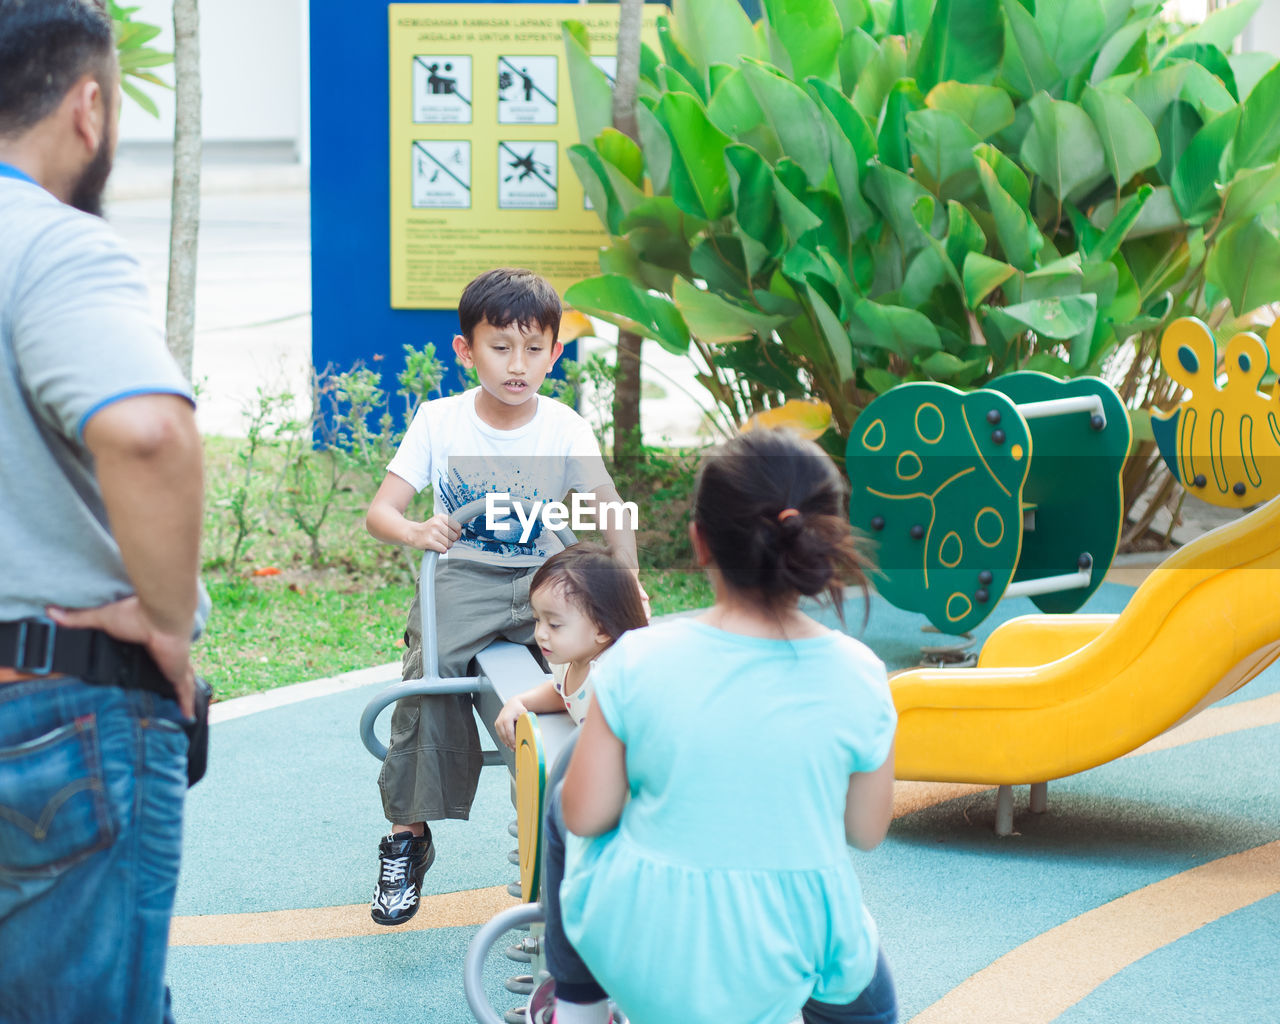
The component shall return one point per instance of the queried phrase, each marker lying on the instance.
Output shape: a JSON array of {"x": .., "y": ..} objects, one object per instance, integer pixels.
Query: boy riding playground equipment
[
  {"x": 1053, "y": 695},
  {"x": 1013, "y": 489},
  {"x": 506, "y": 670}
]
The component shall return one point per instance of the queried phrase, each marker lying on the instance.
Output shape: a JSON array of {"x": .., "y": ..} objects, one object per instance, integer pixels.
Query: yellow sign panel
[{"x": 482, "y": 119}]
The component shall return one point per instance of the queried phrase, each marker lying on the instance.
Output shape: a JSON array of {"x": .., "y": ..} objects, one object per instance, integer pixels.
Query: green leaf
[
  {"x": 1116, "y": 49},
  {"x": 1155, "y": 91},
  {"x": 716, "y": 320},
  {"x": 678, "y": 58},
  {"x": 1195, "y": 180},
  {"x": 1211, "y": 59},
  {"x": 1245, "y": 266},
  {"x": 847, "y": 167},
  {"x": 891, "y": 62},
  {"x": 895, "y": 150},
  {"x": 656, "y": 145},
  {"x": 1018, "y": 235},
  {"x": 880, "y": 380},
  {"x": 811, "y": 33},
  {"x": 1072, "y": 31},
  {"x": 1159, "y": 214},
  {"x": 713, "y": 31},
  {"x": 986, "y": 109},
  {"x": 592, "y": 94},
  {"x": 139, "y": 97},
  {"x": 794, "y": 118},
  {"x": 754, "y": 191},
  {"x": 1030, "y": 48},
  {"x": 964, "y": 42},
  {"x": 595, "y": 181},
  {"x": 1250, "y": 192},
  {"x": 1256, "y": 141},
  {"x": 1009, "y": 174},
  {"x": 1175, "y": 132},
  {"x": 700, "y": 181},
  {"x": 838, "y": 343},
  {"x": 942, "y": 365},
  {"x": 857, "y": 49},
  {"x": 851, "y": 123},
  {"x": 895, "y": 195},
  {"x": 672, "y": 80},
  {"x": 910, "y": 17},
  {"x": 623, "y": 153},
  {"x": 943, "y": 144},
  {"x": 853, "y": 14},
  {"x": 1109, "y": 242},
  {"x": 964, "y": 235},
  {"x": 929, "y": 271},
  {"x": 1062, "y": 146},
  {"x": 905, "y": 332},
  {"x": 982, "y": 276},
  {"x": 618, "y": 301},
  {"x": 733, "y": 107},
  {"x": 1057, "y": 318},
  {"x": 1128, "y": 140}
]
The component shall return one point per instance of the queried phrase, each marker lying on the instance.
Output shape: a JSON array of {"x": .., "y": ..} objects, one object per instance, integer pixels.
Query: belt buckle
[{"x": 20, "y": 652}]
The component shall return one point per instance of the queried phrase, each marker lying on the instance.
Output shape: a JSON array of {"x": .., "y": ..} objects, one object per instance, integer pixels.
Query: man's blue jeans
[{"x": 92, "y": 783}]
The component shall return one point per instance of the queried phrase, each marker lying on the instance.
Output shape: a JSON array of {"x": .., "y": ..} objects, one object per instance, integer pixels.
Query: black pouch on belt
[{"x": 198, "y": 735}]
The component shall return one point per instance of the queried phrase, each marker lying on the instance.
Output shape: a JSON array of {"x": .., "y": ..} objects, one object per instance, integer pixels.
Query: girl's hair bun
[{"x": 773, "y": 509}]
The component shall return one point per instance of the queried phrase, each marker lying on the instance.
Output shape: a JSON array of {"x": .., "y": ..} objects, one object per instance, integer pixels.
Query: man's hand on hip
[{"x": 126, "y": 620}]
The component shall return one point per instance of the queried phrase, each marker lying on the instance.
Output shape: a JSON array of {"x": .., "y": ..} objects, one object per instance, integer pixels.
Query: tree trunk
[
  {"x": 184, "y": 225},
  {"x": 626, "y": 395}
]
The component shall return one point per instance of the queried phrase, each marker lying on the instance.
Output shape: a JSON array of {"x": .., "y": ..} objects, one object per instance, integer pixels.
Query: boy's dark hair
[
  {"x": 593, "y": 580},
  {"x": 509, "y": 295},
  {"x": 45, "y": 46},
  {"x": 744, "y": 488}
]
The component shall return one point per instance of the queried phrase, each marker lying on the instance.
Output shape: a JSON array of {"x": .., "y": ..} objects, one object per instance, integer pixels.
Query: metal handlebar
[
  {"x": 473, "y": 967},
  {"x": 432, "y": 683}
]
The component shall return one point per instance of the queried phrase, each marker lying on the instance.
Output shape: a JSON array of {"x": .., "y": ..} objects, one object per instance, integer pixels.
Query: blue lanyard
[{"x": 9, "y": 171}]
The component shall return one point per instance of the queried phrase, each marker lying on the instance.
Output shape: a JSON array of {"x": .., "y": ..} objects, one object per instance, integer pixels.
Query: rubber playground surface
[{"x": 1150, "y": 891}]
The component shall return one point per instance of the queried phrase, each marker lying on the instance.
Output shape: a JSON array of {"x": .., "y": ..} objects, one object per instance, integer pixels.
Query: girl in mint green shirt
[{"x": 734, "y": 758}]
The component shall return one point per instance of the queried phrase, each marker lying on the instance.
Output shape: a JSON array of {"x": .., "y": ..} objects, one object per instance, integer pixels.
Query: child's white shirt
[
  {"x": 575, "y": 703},
  {"x": 451, "y": 448}
]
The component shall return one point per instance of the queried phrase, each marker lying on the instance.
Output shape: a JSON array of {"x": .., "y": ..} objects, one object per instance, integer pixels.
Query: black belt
[{"x": 40, "y": 647}]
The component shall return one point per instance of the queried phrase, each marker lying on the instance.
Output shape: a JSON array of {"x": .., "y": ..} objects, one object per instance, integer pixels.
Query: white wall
[
  {"x": 1263, "y": 33},
  {"x": 252, "y": 65}
]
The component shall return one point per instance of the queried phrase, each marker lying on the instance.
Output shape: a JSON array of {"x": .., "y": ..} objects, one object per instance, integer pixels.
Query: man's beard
[{"x": 87, "y": 195}]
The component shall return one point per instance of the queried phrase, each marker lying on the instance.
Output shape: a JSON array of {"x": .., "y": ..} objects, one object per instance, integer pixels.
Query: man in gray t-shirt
[{"x": 100, "y": 499}]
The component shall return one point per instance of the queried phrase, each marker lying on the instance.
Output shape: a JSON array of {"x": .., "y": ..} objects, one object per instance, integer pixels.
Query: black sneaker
[{"x": 403, "y": 860}]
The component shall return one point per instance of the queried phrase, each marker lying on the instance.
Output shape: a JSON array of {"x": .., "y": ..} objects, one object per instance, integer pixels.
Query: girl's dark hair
[
  {"x": 45, "y": 46},
  {"x": 509, "y": 295},
  {"x": 744, "y": 491},
  {"x": 590, "y": 578}
]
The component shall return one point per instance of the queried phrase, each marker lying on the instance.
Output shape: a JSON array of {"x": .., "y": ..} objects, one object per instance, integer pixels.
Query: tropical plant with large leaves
[
  {"x": 138, "y": 58},
  {"x": 850, "y": 194}
]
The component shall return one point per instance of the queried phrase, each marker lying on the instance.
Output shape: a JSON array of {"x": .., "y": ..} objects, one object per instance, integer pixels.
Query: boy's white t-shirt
[{"x": 448, "y": 446}]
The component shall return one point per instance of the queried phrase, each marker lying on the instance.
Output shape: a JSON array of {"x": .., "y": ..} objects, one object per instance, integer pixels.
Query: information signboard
[{"x": 482, "y": 120}]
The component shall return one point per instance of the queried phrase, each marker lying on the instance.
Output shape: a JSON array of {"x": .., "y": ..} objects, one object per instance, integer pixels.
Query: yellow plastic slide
[{"x": 1055, "y": 694}]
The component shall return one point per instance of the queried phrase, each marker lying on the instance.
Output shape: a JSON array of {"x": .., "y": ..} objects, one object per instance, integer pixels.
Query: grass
[
  {"x": 282, "y": 616},
  {"x": 273, "y": 631}
]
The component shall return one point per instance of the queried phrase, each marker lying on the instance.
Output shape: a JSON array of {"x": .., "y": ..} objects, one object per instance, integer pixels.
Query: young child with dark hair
[
  {"x": 727, "y": 761},
  {"x": 583, "y": 600},
  {"x": 500, "y": 437}
]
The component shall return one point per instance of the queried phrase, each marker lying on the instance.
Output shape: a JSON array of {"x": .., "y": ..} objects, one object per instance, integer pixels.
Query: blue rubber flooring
[{"x": 289, "y": 817}]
